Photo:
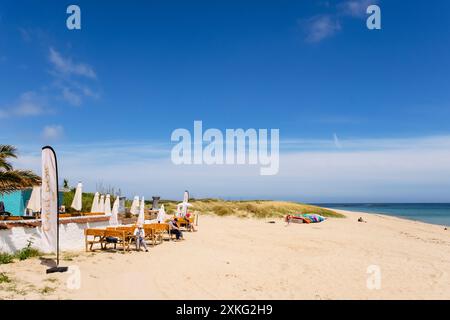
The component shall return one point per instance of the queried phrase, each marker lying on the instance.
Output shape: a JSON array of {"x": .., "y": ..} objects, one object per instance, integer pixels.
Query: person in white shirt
[
  {"x": 139, "y": 233},
  {"x": 173, "y": 226}
]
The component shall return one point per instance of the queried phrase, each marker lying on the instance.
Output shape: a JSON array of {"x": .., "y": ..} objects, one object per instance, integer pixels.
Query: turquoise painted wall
[{"x": 16, "y": 202}]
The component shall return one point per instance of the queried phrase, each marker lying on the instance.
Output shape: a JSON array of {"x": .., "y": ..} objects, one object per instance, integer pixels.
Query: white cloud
[
  {"x": 321, "y": 27},
  {"x": 67, "y": 76},
  {"x": 67, "y": 67},
  {"x": 71, "y": 97},
  {"x": 25, "y": 34},
  {"x": 366, "y": 170},
  {"x": 355, "y": 8},
  {"x": 53, "y": 132},
  {"x": 337, "y": 143},
  {"x": 28, "y": 104}
]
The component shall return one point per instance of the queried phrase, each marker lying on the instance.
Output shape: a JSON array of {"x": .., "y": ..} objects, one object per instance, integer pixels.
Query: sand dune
[{"x": 233, "y": 258}]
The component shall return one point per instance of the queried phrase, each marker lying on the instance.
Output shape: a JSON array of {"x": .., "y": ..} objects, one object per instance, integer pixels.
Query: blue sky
[{"x": 115, "y": 90}]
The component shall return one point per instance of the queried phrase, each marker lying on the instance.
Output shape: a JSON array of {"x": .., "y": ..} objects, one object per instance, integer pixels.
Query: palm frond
[
  {"x": 17, "y": 179},
  {"x": 7, "y": 151}
]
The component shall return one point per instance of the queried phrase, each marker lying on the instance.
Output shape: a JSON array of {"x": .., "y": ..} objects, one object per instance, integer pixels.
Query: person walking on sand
[
  {"x": 139, "y": 233},
  {"x": 173, "y": 227}
]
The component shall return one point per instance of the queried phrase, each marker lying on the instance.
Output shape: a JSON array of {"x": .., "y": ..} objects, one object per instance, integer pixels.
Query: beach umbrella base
[{"x": 57, "y": 269}]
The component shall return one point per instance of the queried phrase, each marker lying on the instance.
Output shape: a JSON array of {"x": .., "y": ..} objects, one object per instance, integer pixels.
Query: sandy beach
[{"x": 236, "y": 258}]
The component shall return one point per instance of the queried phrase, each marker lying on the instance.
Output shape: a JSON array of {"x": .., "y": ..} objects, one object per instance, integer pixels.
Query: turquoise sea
[{"x": 436, "y": 213}]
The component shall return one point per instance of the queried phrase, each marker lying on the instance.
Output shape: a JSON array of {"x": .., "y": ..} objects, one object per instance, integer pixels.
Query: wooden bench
[
  {"x": 129, "y": 231},
  {"x": 122, "y": 236},
  {"x": 92, "y": 214},
  {"x": 187, "y": 223},
  {"x": 97, "y": 237},
  {"x": 151, "y": 233},
  {"x": 160, "y": 229}
]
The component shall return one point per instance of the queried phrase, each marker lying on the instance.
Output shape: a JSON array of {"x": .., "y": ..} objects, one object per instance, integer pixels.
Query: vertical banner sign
[{"x": 49, "y": 198}]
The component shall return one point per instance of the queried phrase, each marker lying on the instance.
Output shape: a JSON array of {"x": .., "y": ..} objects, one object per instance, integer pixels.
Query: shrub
[
  {"x": 222, "y": 210},
  {"x": 6, "y": 258},
  {"x": 47, "y": 290},
  {"x": 28, "y": 252},
  {"x": 4, "y": 278}
]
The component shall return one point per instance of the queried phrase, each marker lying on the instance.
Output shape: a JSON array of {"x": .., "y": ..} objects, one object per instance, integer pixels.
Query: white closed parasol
[
  {"x": 114, "y": 220},
  {"x": 135, "y": 206},
  {"x": 108, "y": 205},
  {"x": 77, "y": 199},
  {"x": 101, "y": 205},
  {"x": 161, "y": 215},
  {"x": 141, "y": 217},
  {"x": 34, "y": 204},
  {"x": 95, "y": 207}
]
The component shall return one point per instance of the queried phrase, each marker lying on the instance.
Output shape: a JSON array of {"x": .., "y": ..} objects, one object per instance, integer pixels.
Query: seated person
[
  {"x": 173, "y": 227},
  {"x": 189, "y": 225},
  {"x": 139, "y": 233}
]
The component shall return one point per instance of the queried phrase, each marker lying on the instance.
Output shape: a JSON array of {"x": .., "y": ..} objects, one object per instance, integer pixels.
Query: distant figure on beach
[
  {"x": 173, "y": 226},
  {"x": 189, "y": 225},
  {"x": 361, "y": 220},
  {"x": 139, "y": 233}
]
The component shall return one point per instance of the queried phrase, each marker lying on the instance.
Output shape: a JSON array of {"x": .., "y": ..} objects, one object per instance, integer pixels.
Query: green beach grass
[
  {"x": 219, "y": 207},
  {"x": 251, "y": 208}
]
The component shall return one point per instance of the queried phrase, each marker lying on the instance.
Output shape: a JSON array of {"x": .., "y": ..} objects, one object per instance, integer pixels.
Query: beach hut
[
  {"x": 108, "y": 205},
  {"x": 77, "y": 199},
  {"x": 135, "y": 206},
  {"x": 141, "y": 217},
  {"x": 95, "y": 207},
  {"x": 114, "y": 220},
  {"x": 16, "y": 202},
  {"x": 101, "y": 204}
]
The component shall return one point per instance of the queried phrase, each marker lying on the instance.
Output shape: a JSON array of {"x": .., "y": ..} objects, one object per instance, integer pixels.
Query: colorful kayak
[{"x": 304, "y": 218}]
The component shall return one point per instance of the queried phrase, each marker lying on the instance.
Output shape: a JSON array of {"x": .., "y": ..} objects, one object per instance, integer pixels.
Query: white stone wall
[{"x": 71, "y": 237}]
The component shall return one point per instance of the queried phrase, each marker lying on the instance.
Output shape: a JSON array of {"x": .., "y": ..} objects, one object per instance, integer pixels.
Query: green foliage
[
  {"x": 86, "y": 201},
  {"x": 6, "y": 258},
  {"x": 11, "y": 179},
  {"x": 23, "y": 254},
  {"x": 4, "y": 278},
  {"x": 222, "y": 210},
  {"x": 47, "y": 290},
  {"x": 28, "y": 252},
  {"x": 247, "y": 208},
  {"x": 258, "y": 208}
]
